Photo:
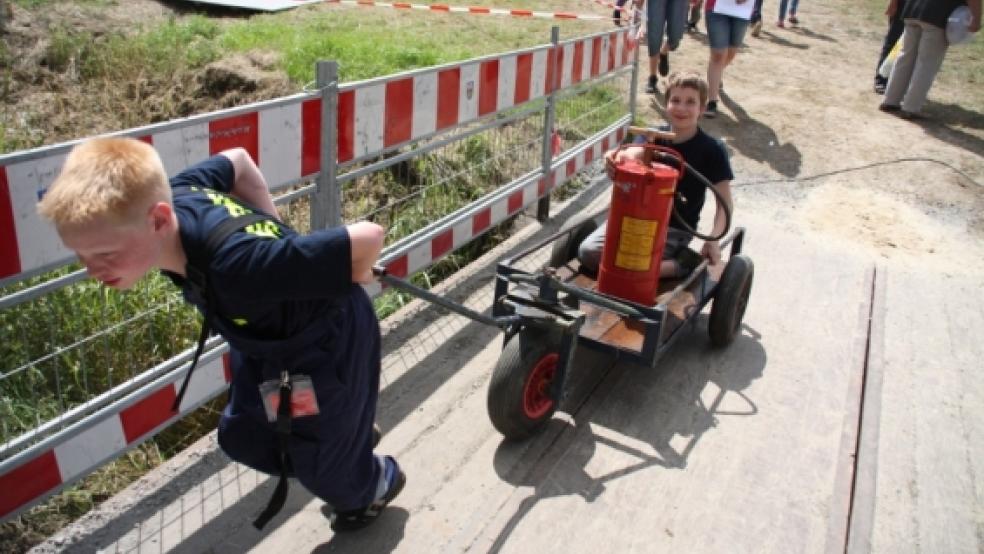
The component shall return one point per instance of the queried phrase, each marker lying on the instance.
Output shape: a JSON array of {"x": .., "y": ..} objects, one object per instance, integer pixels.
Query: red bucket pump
[{"x": 642, "y": 201}]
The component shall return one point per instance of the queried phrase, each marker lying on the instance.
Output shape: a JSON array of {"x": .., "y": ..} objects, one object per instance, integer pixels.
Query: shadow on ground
[
  {"x": 946, "y": 122},
  {"x": 747, "y": 135},
  {"x": 653, "y": 406}
]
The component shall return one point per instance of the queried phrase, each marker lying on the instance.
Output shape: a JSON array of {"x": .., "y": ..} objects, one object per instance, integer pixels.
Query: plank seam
[{"x": 863, "y": 485}]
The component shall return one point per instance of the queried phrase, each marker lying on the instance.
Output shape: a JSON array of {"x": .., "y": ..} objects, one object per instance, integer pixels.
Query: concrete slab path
[{"x": 747, "y": 449}]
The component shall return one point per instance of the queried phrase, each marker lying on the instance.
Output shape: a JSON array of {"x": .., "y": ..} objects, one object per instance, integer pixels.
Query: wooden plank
[{"x": 922, "y": 454}]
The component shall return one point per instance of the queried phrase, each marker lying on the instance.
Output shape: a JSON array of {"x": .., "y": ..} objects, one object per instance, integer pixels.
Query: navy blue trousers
[{"x": 329, "y": 453}]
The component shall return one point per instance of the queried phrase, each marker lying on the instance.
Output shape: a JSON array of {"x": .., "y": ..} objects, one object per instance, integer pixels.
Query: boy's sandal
[{"x": 353, "y": 520}]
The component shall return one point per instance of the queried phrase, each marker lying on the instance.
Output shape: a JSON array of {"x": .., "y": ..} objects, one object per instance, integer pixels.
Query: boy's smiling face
[
  {"x": 118, "y": 255},
  {"x": 683, "y": 108}
]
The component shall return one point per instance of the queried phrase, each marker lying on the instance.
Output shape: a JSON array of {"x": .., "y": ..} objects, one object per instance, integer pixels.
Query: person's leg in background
[
  {"x": 617, "y": 12},
  {"x": 655, "y": 26},
  {"x": 717, "y": 38},
  {"x": 694, "y": 19},
  {"x": 725, "y": 35},
  {"x": 895, "y": 28},
  {"x": 932, "y": 49},
  {"x": 782, "y": 13},
  {"x": 676, "y": 18},
  {"x": 793, "y": 4},
  {"x": 756, "y": 20},
  {"x": 898, "y": 81}
]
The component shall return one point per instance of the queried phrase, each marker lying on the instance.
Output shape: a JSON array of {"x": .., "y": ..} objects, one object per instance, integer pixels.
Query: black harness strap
[
  {"x": 198, "y": 278},
  {"x": 283, "y": 441}
]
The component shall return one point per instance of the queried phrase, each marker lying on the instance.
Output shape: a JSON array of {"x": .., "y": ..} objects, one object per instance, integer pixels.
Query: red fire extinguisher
[{"x": 642, "y": 202}]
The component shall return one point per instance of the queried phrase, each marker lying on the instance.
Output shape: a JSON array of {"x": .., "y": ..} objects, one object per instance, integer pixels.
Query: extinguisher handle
[
  {"x": 656, "y": 153},
  {"x": 651, "y": 133},
  {"x": 666, "y": 155}
]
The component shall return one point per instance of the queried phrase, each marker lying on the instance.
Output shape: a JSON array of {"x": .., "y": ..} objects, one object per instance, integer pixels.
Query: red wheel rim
[{"x": 536, "y": 393}]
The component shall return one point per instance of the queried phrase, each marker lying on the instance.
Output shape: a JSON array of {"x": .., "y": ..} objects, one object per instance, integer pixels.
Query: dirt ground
[{"x": 43, "y": 98}]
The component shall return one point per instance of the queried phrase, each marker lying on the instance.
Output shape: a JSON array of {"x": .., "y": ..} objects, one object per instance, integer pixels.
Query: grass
[{"x": 35, "y": 4}]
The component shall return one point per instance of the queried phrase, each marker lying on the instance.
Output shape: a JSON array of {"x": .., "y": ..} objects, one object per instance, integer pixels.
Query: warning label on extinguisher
[{"x": 635, "y": 243}]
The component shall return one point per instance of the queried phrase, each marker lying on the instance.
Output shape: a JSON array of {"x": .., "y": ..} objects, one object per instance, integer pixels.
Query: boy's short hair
[
  {"x": 114, "y": 179},
  {"x": 688, "y": 79}
]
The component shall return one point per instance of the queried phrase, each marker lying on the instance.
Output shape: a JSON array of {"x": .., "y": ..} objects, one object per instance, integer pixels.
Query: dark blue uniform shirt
[{"x": 269, "y": 281}]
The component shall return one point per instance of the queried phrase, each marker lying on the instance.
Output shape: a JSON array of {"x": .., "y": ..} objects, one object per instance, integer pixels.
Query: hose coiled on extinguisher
[{"x": 718, "y": 197}]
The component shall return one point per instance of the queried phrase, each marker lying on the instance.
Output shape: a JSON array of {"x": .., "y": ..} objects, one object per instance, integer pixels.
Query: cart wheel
[
  {"x": 565, "y": 247},
  {"x": 730, "y": 300},
  {"x": 519, "y": 400}
]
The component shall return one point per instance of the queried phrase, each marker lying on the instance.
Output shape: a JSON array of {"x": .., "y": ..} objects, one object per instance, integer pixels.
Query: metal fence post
[
  {"x": 634, "y": 87},
  {"x": 326, "y": 202},
  {"x": 543, "y": 206}
]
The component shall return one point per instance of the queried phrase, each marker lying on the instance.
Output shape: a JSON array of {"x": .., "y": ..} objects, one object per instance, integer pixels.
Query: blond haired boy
[{"x": 289, "y": 305}]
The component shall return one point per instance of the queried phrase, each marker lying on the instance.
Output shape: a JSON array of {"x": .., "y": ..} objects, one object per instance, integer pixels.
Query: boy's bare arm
[
  {"x": 250, "y": 185},
  {"x": 366, "y": 241},
  {"x": 892, "y": 8},
  {"x": 712, "y": 249},
  {"x": 617, "y": 156}
]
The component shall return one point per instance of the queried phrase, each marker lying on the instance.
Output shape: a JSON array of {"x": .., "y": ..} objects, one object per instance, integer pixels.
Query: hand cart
[{"x": 546, "y": 314}]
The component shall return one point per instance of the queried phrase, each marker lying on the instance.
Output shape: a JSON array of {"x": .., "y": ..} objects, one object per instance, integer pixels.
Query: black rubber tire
[
  {"x": 730, "y": 300},
  {"x": 565, "y": 248},
  {"x": 519, "y": 366}
]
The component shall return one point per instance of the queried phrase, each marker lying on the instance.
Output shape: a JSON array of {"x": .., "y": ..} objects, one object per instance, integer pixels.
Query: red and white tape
[
  {"x": 474, "y": 10},
  {"x": 284, "y": 135},
  {"x": 30, "y": 481}
]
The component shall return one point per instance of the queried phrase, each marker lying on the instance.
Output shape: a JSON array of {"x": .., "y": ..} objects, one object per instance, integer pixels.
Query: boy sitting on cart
[{"x": 686, "y": 97}]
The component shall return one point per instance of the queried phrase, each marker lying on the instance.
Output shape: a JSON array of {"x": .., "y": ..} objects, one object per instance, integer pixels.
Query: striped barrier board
[
  {"x": 73, "y": 454},
  {"x": 473, "y": 10},
  {"x": 429, "y": 246},
  {"x": 284, "y": 135},
  {"x": 386, "y": 113}
]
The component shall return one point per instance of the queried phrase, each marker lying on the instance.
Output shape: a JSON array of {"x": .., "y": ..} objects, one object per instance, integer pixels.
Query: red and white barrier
[
  {"x": 430, "y": 248},
  {"x": 473, "y": 10},
  {"x": 26, "y": 482},
  {"x": 284, "y": 135}
]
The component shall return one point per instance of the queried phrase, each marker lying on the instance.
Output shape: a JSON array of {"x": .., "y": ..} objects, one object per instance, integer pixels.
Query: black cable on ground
[{"x": 858, "y": 168}]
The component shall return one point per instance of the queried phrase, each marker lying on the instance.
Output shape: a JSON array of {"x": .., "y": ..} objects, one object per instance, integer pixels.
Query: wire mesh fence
[
  {"x": 72, "y": 347},
  {"x": 65, "y": 351}
]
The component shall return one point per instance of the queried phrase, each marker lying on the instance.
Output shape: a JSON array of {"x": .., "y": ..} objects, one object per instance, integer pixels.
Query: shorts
[{"x": 724, "y": 31}]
